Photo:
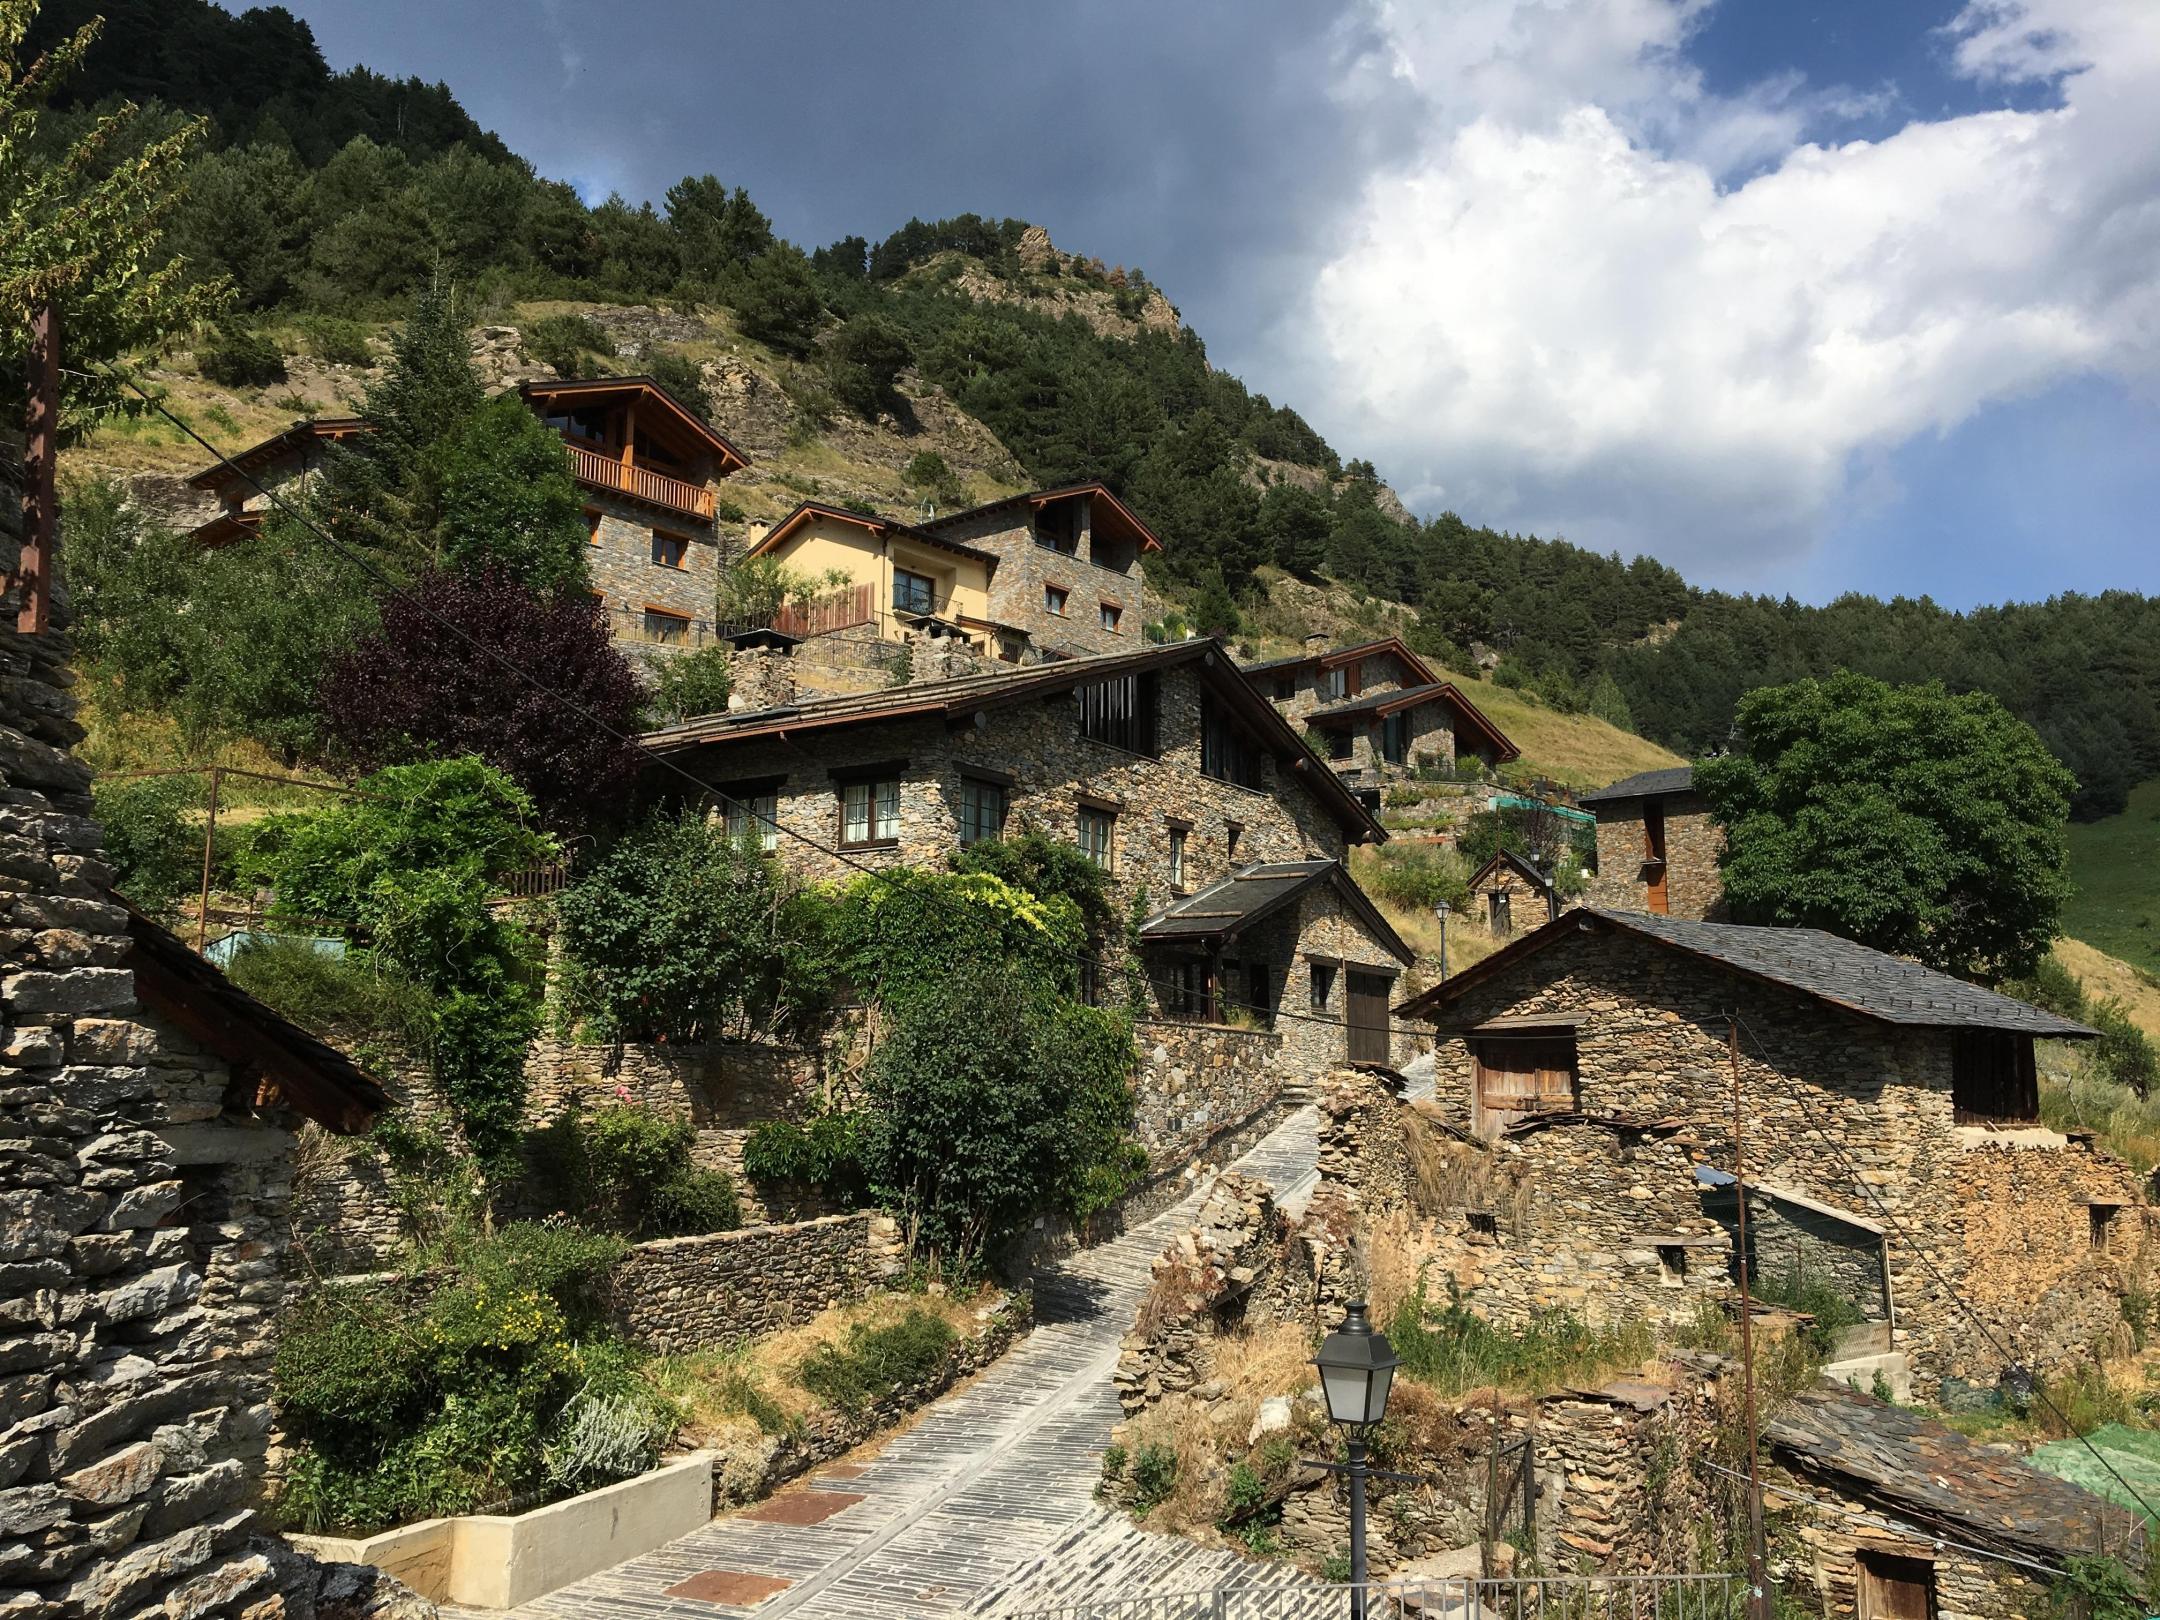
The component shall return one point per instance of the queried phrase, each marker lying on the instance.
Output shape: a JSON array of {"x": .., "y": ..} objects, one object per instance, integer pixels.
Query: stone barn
[
  {"x": 1510, "y": 893},
  {"x": 1657, "y": 847},
  {"x": 1895, "y": 1151}
]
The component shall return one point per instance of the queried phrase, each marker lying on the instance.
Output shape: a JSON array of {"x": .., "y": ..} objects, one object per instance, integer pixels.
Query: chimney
[
  {"x": 760, "y": 678},
  {"x": 940, "y": 657}
]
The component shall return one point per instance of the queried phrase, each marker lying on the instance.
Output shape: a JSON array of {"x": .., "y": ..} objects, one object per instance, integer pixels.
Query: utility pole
[
  {"x": 1759, "y": 1604},
  {"x": 41, "y": 455}
]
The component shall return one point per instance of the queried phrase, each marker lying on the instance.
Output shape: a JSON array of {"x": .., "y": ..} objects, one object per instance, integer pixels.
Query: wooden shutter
[
  {"x": 1893, "y": 1588},
  {"x": 1520, "y": 1075},
  {"x": 1368, "y": 1008},
  {"x": 1657, "y": 897}
]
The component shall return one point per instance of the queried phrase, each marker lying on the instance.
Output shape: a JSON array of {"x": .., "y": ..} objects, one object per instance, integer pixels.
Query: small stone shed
[
  {"x": 1511, "y": 893},
  {"x": 1890, "y": 1515},
  {"x": 1895, "y": 1148},
  {"x": 1657, "y": 846}
]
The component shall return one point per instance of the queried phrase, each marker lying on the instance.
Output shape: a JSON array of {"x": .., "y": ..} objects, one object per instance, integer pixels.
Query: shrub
[
  {"x": 1811, "y": 1294},
  {"x": 826, "y": 1153},
  {"x": 1048, "y": 868},
  {"x": 240, "y": 357},
  {"x": 354, "y": 995},
  {"x": 627, "y": 1169},
  {"x": 1154, "y": 1476},
  {"x": 603, "y": 1437},
  {"x": 335, "y": 341},
  {"x": 1455, "y": 1350},
  {"x": 686, "y": 685},
  {"x": 682, "y": 377},
  {"x": 2124, "y": 1052},
  {"x": 566, "y": 343},
  {"x": 926, "y": 469},
  {"x": 1417, "y": 877},
  {"x": 154, "y": 850},
  {"x": 878, "y": 1362}
]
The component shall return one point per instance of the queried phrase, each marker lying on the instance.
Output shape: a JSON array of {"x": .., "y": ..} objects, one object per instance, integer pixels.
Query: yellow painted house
[{"x": 901, "y": 578}]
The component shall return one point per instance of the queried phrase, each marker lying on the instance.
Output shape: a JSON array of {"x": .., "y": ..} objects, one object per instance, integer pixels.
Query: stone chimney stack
[
  {"x": 760, "y": 678},
  {"x": 940, "y": 658}
]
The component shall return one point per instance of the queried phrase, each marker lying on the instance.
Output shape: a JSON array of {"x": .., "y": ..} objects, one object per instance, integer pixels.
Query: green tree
[
  {"x": 776, "y": 301},
  {"x": 1910, "y": 819},
  {"x": 85, "y": 229},
  {"x": 1300, "y": 522},
  {"x": 716, "y": 230},
  {"x": 508, "y": 499},
  {"x": 1213, "y": 611},
  {"x": 863, "y": 361},
  {"x": 153, "y": 847}
]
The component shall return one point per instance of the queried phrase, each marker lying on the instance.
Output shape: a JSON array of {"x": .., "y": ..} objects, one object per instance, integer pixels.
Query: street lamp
[
  {"x": 1442, "y": 908},
  {"x": 1357, "y": 1367}
]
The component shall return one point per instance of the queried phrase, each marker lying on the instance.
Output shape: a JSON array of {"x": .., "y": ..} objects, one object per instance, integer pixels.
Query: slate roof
[
  {"x": 1138, "y": 531},
  {"x": 1413, "y": 697},
  {"x": 1825, "y": 966},
  {"x": 968, "y": 695},
  {"x": 1329, "y": 657},
  {"x": 1223, "y": 910},
  {"x": 1644, "y": 784},
  {"x": 310, "y": 1076},
  {"x": 1926, "y": 1471},
  {"x": 1515, "y": 863}
]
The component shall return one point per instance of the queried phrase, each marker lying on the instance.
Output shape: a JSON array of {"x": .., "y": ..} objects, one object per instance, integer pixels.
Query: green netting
[{"x": 2132, "y": 1453}]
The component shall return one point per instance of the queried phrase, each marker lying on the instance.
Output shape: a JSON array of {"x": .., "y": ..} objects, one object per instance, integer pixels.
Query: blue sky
[{"x": 1802, "y": 297}]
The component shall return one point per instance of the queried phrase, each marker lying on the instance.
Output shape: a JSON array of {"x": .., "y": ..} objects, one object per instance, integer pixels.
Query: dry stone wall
[{"x": 692, "y": 1293}]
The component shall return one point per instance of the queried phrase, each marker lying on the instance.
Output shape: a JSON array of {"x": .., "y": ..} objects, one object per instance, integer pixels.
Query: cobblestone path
[{"x": 985, "y": 1506}]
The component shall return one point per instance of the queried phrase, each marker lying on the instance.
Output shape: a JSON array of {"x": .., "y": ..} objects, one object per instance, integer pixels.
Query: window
[
  {"x": 670, "y": 550},
  {"x": 1098, "y": 834},
  {"x": 1226, "y": 751},
  {"x": 1285, "y": 688},
  {"x": 1339, "y": 745},
  {"x": 2101, "y": 1219},
  {"x": 666, "y": 627},
  {"x": 982, "y": 809},
  {"x": 592, "y": 526},
  {"x": 1111, "y": 613},
  {"x": 1333, "y": 684},
  {"x": 1395, "y": 738},
  {"x": 1232, "y": 831},
  {"x": 1120, "y": 712},
  {"x": 1519, "y": 1075},
  {"x": 1185, "y": 991},
  {"x": 1992, "y": 1079},
  {"x": 870, "y": 812},
  {"x": 1672, "y": 1265},
  {"x": 913, "y": 593},
  {"x": 1323, "y": 985},
  {"x": 1057, "y": 527},
  {"x": 1054, "y": 599},
  {"x": 1260, "y": 993},
  {"x": 753, "y": 815},
  {"x": 1177, "y": 858}
]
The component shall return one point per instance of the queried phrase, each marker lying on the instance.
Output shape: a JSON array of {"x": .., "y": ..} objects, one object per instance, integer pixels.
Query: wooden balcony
[{"x": 601, "y": 470}]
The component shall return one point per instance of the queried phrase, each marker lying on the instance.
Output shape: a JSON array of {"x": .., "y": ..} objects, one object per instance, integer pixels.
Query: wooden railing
[
  {"x": 842, "y": 610},
  {"x": 641, "y": 483}
]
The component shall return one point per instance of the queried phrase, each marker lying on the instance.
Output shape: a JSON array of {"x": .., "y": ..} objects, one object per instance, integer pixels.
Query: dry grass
[
  {"x": 1579, "y": 750},
  {"x": 2111, "y": 978}
]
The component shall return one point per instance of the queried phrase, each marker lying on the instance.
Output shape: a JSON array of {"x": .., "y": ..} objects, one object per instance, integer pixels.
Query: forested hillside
[{"x": 336, "y": 196}]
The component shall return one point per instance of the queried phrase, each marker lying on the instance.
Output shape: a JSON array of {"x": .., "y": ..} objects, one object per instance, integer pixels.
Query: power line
[
  {"x": 725, "y": 801},
  {"x": 1904, "y": 1237}
]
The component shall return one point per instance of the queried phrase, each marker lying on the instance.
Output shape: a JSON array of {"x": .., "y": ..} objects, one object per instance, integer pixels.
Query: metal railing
[
  {"x": 1560, "y": 1597},
  {"x": 642, "y": 483}
]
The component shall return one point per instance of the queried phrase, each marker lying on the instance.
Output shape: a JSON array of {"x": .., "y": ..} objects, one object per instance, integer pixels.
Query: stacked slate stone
[{"x": 132, "y": 1435}]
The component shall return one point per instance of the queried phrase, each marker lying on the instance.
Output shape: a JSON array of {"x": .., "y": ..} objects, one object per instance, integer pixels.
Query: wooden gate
[{"x": 1368, "y": 993}]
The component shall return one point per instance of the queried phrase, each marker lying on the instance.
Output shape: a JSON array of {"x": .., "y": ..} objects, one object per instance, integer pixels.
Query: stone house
[
  {"x": 1162, "y": 764},
  {"x": 1380, "y": 711},
  {"x": 1885, "y": 1512},
  {"x": 1894, "y": 1145},
  {"x": 1510, "y": 893},
  {"x": 145, "y": 1128},
  {"x": 649, "y": 467},
  {"x": 1657, "y": 847},
  {"x": 1054, "y": 573}
]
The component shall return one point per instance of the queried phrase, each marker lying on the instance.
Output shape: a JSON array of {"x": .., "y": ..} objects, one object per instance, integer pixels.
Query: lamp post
[
  {"x": 1442, "y": 908},
  {"x": 1357, "y": 1366}
]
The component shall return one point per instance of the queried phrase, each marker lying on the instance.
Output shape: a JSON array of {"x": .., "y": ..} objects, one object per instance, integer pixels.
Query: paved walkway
[{"x": 985, "y": 1506}]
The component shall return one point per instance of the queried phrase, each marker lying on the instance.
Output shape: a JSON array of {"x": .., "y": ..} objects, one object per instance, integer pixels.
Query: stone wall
[
  {"x": 692, "y": 1293},
  {"x": 1024, "y": 569},
  {"x": 2001, "y": 1214},
  {"x": 137, "y": 1268},
  {"x": 346, "y": 1212},
  {"x": 1197, "y": 1081},
  {"x": 1693, "y": 843},
  {"x": 620, "y": 566}
]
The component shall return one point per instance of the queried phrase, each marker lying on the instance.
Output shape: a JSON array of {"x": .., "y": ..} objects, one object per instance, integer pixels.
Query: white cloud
[{"x": 1599, "y": 300}]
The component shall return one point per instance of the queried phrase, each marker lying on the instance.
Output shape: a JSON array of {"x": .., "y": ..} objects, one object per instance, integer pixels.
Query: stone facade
[
  {"x": 1692, "y": 844},
  {"x": 1508, "y": 899},
  {"x": 692, "y": 1293},
  {"x": 2004, "y": 1215},
  {"x": 658, "y": 605},
  {"x": 1198, "y": 1081},
  {"x": 1432, "y": 734},
  {"x": 1101, "y": 578},
  {"x": 140, "y": 1265}
]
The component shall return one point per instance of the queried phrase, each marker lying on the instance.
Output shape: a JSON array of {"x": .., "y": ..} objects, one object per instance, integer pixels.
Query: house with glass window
[
  {"x": 1378, "y": 711},
  {"x": 1163, "y": 765},
  {"x": 1895, "y": 1147},
  {"x": 1055, "y": 573}
]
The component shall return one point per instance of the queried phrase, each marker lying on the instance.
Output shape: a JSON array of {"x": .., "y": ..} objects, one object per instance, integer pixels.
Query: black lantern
[{"x": 1357, "y": 1367}]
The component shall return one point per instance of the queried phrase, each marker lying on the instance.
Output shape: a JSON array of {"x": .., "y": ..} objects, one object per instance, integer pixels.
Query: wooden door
[
  {"x": 1368, "y": 1000},
  {"x": 1520, "y": 1075},
  {"x": 1893, "y": 1588},
  {"x": 1653, "y": 826}
]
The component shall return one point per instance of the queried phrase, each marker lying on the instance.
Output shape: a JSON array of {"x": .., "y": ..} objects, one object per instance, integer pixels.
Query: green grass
[{"x": 2115, "y": 865}]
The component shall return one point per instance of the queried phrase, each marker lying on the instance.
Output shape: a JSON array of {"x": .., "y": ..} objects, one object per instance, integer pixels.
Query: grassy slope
[
  {"x": 2111, "y": 978},
  {"x": 1579, "y": 750},
  {"x": 2116, "y": 866}
]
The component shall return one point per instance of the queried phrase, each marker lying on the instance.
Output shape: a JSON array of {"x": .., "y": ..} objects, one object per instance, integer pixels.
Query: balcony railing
[{"x": 639, "y": 483}]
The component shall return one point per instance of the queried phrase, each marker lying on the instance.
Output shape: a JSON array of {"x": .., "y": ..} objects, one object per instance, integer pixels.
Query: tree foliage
[
  {"x": 478, "y": 663},
  {"x": 1924, "y": 824},
  {"x": 508, "y": 501}
]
